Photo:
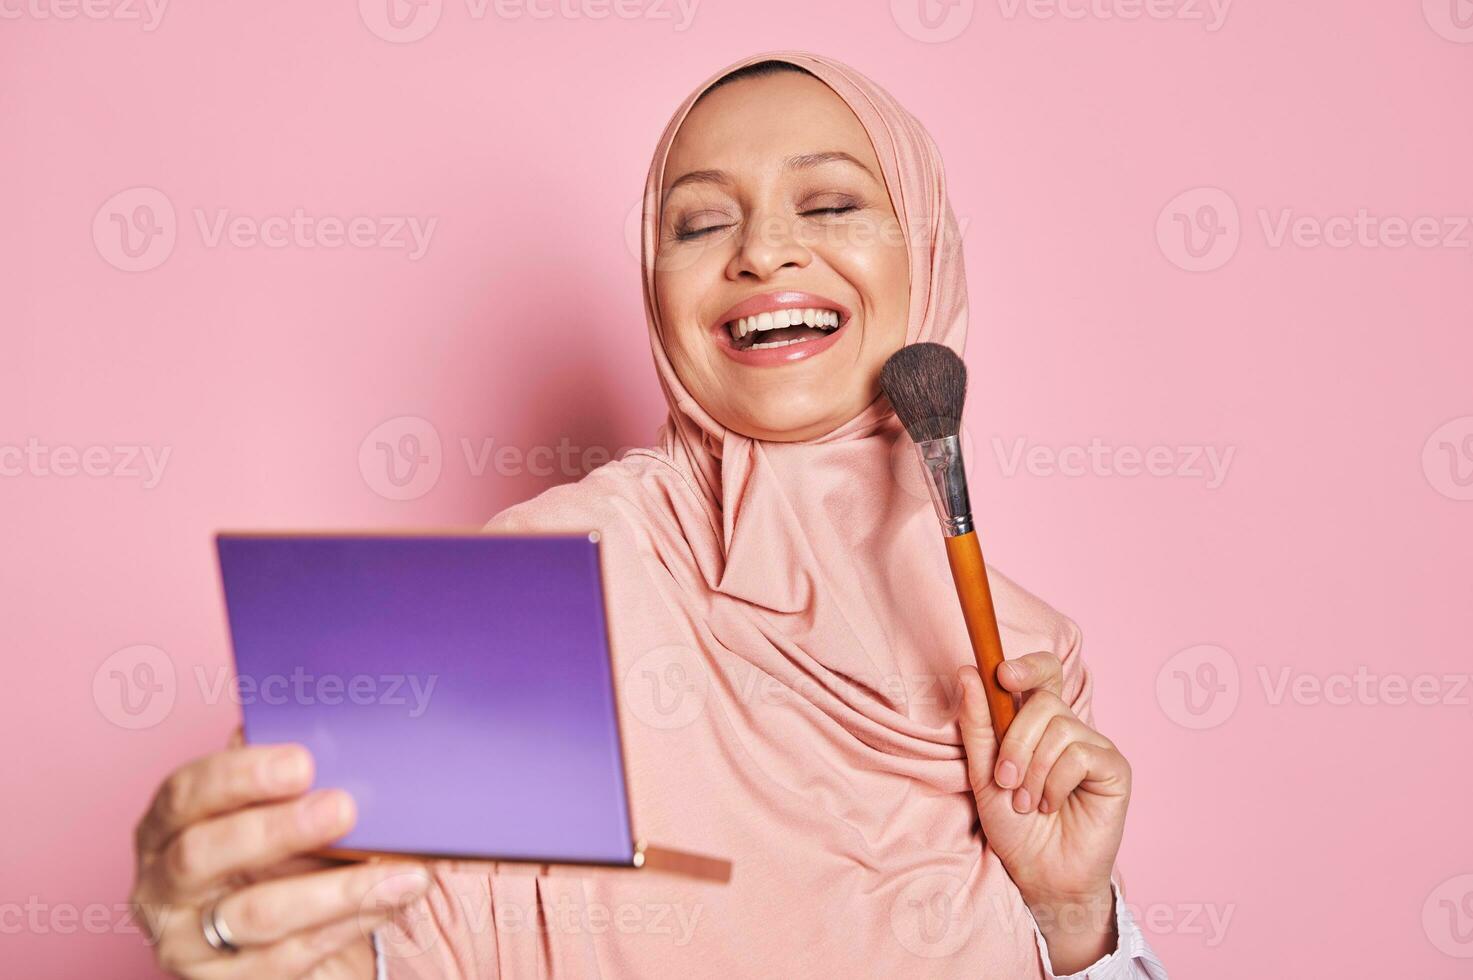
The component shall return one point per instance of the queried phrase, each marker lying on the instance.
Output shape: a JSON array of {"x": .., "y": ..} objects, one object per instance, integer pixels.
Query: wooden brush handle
[{"x": 964, "y": 552}]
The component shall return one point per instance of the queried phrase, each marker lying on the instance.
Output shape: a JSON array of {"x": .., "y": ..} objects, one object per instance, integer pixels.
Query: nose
[{"x": 767, "y": 245}]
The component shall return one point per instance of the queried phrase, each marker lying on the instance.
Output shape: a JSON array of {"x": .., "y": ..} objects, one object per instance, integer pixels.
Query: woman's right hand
[{"x": 236, "y": 828}]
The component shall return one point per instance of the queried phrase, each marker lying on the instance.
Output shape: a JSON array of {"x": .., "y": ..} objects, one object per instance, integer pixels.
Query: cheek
[
  {"x": 678, "y": 294},
  {"x": 880, "y": 274}
]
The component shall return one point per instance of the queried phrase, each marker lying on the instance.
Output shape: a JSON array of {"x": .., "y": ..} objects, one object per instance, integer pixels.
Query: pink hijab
[{"x": 785, "y": 639}]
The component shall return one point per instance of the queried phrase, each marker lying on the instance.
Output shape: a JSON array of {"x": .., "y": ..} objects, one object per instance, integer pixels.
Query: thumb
[{"x": 978, "y": 740}]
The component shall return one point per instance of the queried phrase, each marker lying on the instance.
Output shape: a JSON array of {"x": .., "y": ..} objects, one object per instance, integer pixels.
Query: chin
[{"x": 792, "y": 419}]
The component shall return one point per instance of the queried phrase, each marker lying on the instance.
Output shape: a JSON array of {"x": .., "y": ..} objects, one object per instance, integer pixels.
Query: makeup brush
[{"x": 927, "y": 385}]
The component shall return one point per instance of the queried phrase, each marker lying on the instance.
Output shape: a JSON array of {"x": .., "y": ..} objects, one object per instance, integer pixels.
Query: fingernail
[
  {"x": 1022, "y": 802},
  {"x": 289, "y": 768},
  {"x": 326, "y": 811},
  {"x": 1007, "y": 774},
  {"x": 1043, "y": 805},
  {"x": 1014, "y": 671}
]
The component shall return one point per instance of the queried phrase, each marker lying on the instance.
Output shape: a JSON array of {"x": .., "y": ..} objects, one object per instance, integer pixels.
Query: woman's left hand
[{"x": 1052, "y": 802}]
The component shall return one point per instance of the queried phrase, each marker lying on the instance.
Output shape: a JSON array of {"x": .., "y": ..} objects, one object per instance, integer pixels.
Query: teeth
[{"x": 776, "y": 320}]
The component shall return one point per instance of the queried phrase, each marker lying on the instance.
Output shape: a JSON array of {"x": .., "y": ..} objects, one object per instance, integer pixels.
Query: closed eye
[{"x": 685, "y": 236}]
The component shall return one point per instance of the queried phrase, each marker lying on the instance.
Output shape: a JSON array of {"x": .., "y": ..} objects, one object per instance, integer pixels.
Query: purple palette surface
[{"x": 459, "y": 686}]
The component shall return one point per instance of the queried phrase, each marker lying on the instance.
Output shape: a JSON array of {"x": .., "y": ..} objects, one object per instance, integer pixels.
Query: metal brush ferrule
[{"x": 947, "y": 481}]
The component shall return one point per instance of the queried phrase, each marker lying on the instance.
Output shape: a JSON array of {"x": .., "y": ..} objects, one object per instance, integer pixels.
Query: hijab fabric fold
[{"x": 786, "y": 637}]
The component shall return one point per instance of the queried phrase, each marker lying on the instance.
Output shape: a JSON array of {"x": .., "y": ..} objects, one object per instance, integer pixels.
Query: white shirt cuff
[
  {"x": 380, "y": 968},
  {"x": 1132, "y": 958}
]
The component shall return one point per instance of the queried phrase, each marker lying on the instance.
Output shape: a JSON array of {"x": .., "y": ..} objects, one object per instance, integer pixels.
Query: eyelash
[{"x": 685, "y": 236}]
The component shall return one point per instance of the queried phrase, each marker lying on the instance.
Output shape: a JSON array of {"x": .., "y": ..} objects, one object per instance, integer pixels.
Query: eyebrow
[{"x": 802, "y": 161}]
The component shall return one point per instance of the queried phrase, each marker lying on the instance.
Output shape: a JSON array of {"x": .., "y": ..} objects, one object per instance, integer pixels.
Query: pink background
[{"x": 1329, "y": 832}]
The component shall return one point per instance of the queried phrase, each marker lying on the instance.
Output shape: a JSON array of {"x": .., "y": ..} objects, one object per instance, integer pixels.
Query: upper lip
[{"x": 786, "y": 299}]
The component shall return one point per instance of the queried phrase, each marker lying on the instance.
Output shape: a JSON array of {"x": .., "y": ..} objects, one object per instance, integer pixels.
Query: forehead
[{"x": 766, "y": 118}]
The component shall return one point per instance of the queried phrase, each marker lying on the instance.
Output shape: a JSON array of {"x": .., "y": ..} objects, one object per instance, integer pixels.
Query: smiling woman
[
  {"x": 789, "y": 651},
  {"x": 795, "y": 199}
]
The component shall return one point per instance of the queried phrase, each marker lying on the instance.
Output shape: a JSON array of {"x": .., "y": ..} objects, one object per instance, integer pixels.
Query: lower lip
[{"x": 776, "y": 356}]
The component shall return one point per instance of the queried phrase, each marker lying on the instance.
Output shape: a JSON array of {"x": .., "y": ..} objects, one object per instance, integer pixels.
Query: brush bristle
[{"x": 927, "y": 386}]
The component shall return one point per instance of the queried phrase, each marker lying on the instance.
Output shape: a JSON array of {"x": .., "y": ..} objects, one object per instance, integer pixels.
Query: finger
[
  {"x": 266, "y": 913},
  {"x": 204, "y": 853},
  {"x": 184, "y": 951},
  {"x": 237, "y": 737},
  {"x": 1057, "y": 736},
  {"x": 1092, "y": 767},
  {"x": 978, "y": 741},
  {"x": 221, "y": 782},
  {"x": 299, "y": 954},
  {"x": 1033, "y": 672},
  {"x": 1018, "y": 744}
]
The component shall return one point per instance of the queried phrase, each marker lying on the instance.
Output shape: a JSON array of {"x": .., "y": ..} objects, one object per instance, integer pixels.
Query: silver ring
[{"x": 217, "y": 933}]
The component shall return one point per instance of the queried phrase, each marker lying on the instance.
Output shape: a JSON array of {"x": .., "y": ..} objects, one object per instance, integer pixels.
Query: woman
[{"x": 784, "y": 628}]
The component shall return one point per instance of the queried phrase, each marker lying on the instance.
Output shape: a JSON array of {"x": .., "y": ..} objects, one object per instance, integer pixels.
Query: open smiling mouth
[{"x": 782, "y": 328}]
